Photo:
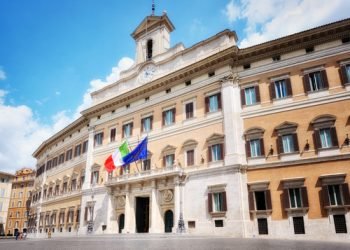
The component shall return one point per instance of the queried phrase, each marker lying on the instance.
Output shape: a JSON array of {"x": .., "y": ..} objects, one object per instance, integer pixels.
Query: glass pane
[
  {"x": 213, "y": 103},
  {"x": 325, "y": 136},
  {"x": 216, "y": 152},
  {"x": 280, "y": 89},
  {"x": 348, "y": 71},
  {"x": 255, "y": 148},
  {"x": 218, "y": 202},
  {"x": 288, "y": 145},
  {"x": 168, "y": 117},
  {"x": 250, "y": 97}
]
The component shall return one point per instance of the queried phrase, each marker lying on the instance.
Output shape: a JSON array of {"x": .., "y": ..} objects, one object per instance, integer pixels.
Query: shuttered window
[
  {"x": 255, "y": 148},
  {"x": 190, "y": 157},
  {"x": 213, "y": 103},
  {"x": 250, "y": 95},
  {"x": 315, "y": 81},
  {"x": 127, "y": 129},
  {"x": 215, "y": 152},
  {"x": 169, "y": 117},
  {"x": 262, "y": 226},
  {"x": 287, "y": 144},
  {"x": 112, "y": 135},
  {"x": 189, "y": 110},
  {"x": 340, "y": 223},
  {"x": 280, "y": 89},
  {"x": 325, "y": 138},
  {"x": 217, "y": 202},
  {"x": 345, "y": 74},
  {"x": 298, "y": 223}
]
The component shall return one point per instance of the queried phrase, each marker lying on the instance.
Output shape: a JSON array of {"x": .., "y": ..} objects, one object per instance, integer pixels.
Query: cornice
[
  {"x": 316, "y": 159},
  {"x": 312, "y": 37},
  {"x": 213, "y": 61}
]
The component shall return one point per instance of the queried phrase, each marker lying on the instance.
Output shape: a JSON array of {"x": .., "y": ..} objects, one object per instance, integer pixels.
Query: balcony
[
  {"x": 144, "y": 175},
  {"x": 63, "y": 196}
]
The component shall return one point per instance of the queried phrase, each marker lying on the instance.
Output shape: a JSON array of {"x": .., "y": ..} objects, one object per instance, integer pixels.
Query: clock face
[{"x": 148, "y": 72}]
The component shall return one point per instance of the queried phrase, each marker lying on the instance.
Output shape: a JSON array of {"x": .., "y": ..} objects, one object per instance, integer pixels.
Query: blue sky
[{"x": 53, "y": 53}]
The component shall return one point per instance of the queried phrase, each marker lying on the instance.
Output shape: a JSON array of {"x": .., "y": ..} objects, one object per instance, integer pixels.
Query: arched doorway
[
  {"x": 121, "y": 222},
  {"x": 168, "y": 221}
]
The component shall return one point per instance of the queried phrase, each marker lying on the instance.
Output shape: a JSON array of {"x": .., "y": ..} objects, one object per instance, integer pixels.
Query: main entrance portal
[{"x": 142, "y": 214}]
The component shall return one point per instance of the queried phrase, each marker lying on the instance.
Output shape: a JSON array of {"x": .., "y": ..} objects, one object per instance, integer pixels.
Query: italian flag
[{"x": 116, "y": 159}]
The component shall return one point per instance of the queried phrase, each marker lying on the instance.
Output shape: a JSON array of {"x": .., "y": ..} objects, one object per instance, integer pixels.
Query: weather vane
[{"x": 153, "y": 7}]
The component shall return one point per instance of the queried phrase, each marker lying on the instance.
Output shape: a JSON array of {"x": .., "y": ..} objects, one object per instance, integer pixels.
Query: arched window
[{"x": 149, "y": 49}]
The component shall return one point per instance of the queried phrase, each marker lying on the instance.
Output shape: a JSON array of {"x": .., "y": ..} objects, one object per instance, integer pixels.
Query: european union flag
[{"x": 139, "y": 153}]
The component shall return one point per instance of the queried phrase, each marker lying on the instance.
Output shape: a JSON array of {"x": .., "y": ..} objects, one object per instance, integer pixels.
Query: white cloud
[
  {"x": 269, "y": 19},
  {"x": 2, "y": 74},
  {"x": 22, "y": 133},
  {"x": 232, "y": 11},
  {"x": 57, "y": 93},
  {"x": 97, "y": 84}
]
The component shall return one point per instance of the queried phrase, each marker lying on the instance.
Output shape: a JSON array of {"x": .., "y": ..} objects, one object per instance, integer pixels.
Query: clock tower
[{"x": 152, "y": 37}]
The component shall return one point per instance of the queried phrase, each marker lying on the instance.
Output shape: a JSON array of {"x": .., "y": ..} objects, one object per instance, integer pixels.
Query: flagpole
[{"x": 135, "y": 161}]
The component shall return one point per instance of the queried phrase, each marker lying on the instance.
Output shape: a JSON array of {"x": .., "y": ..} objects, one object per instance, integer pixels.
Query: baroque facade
[
  {"x": 5, "y": 194},
  {"x": 18, "y": 212},
  {"x": 223, "y": 126}
]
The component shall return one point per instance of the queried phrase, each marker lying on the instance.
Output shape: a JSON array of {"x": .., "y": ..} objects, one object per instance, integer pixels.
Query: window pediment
[
  {"x": 95, "y": 167},
  {"x": 254, "y": 133},
  {"x": 215, "y": 139},
  {"x": 332, "y": 179},
  {"x": 259, "y": 186},
  {"x": 323, "y": 121},
  {"x": 293, "y": 182},
  {"x": 168, "y": 149},
  {"x": 189, "y": 144},
  {"x": 286, "y": 128}
]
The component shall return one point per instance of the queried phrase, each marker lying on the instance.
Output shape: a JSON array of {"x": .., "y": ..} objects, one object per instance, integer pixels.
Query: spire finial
[{"x": 153, "y": 7}]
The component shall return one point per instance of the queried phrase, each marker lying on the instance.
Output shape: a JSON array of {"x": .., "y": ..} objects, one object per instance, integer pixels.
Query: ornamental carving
[
  {"x": 121, "y": 201},
  {"x": 168, "y": 195}
]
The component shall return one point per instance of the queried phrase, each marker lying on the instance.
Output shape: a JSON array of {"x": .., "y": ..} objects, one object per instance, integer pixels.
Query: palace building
[
  {"x": 5, "y": 195},
  {"x": 18, "y": 212},
  {"x": 241, "y": 142}
]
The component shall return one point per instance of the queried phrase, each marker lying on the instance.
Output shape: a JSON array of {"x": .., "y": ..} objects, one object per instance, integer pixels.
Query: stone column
[
  {"x": 111, "y": 217},
  {"x": 130, "y": 224},
  {"x": 233, "y": 123},
  {"x": 156, "y": 216},
  {"x": 89, "y": 159}
]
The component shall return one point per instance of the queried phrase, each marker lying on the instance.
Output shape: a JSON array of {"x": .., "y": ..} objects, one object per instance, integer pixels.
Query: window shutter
[
  {"x": 334, "y": 137},
  {"x": 251, "y": 201},
  {"x": 210, "y": 202},
  {"x": 206, "y": 104},
  {"x": 279, "y": 145},
  {"x": 286, "y": 199},
  {"x": 257, "y": 93},
  {"x": 316, "y": 137},
  {"x": 151, "y": 120},
  {"x": 325, "y": 198},
  {"x": 221, "y": 151},
  {"x": 163, "y": 118},
  {"x": 174, "y": 114},
  {"x": 247, "y": 149},
  {"x": 295, "y": 142},
  {"x": 289, "y": 87},
  {"x": 343, "y": 76},
  {"x": 209, "y": 154},
  {"x": 91, "y": 178},
  {"x": 262, "y": 147},
  {"x": 268, "y": 199},
  {"x": 304, "y": 197},
  {"x": 224, "y": 203},
  {"x": 164, "y": 161},
  {"x": 123, "y": 134},
  {"x": 219, "y": 100},
  {"x": 324, "y": 79},
  {"x": 242, "y": 97},
  {"x": 272, "y": 91},
  {"x": 142, "y": 121},
  {"x": 131, "y": 128},
  {"x": 346, "y": 195},
  {"x": 306, "y": 83}
]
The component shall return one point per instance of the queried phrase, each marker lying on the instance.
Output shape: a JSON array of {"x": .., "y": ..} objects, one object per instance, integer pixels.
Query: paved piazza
[{"x": 143, "y": 242}]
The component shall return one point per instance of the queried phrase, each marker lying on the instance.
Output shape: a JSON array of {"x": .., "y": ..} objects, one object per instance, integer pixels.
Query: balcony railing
[{"x": 144, "y": 174}]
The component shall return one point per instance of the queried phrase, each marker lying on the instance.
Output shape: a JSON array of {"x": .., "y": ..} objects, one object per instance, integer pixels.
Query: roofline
[{"x": 5, "y": 173}]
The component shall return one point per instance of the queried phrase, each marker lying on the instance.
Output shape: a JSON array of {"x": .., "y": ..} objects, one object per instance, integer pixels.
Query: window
[
  {"x": 169, "y": 117},
  {"x": 169, "y": 160},
  {"x": 345, "y": 74},
  {"x": 340, "y": 223},
  {"x": 85, "y": 146},
  {"x": 149, "y": 49},
  {"x": 250, "y": 95},
  {"x": 216, "y": 152},
  {"x": 57, "y": 190},
  {"x": 17, "y": 214},
  {"x": 295, "y": 198},
  {"x": 218, "y": 202},
  {"x": 77, "y": 150},
  {"x": 73, "y": 185},
  {"x": 48, "y": 165},
  {"x": 2, "y": 192},
  {"x": 112, "y": 135},
  {"x": 188, "y": 83},
  {"x": 255, "y": 146},
  {"x": 325, "y": 135},
  {"x": 334, "y": 195},
  {"x": 168, "y": 91},
  {"x": 94, "y": 177},
  {"x": 19, "y": 204},
  {"x": 64, "y": 189},
  {"x": 146, "y": 124},
  {"x": 211, "y": 74},
  {"x": 259, "y": 197},
  {"x": 61, "y": 159},
  {"x": 69, "y": 154},
  {"x": 219, "y": 223},
  {"x": 262, "y": 226},
  {"x": 20, "y": 194},
  {"x": 98, "y": 139},
  {"x": 189, "y": 110},
  {"x": 190, "y": 157},
  {"x": 54, "y": 162},
  {"x": 127, "y": 129},
  {"x": 78, "y": 216},
  {"x": 217, "y": 199},
  {"x": 280, "y": 89},
  {"x": 213, "y": 103},
  {"x": 146, "y": 165},
  {"x": 315, "y": 81},
  {"x": 287, "y": 140}
]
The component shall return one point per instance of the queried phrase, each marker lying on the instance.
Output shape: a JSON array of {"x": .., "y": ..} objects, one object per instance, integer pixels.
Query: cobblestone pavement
[{"x": 163, "y": 242}]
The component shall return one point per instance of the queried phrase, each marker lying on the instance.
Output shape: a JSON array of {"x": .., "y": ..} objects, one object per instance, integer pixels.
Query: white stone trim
[{"x": 313, "y": 69}]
